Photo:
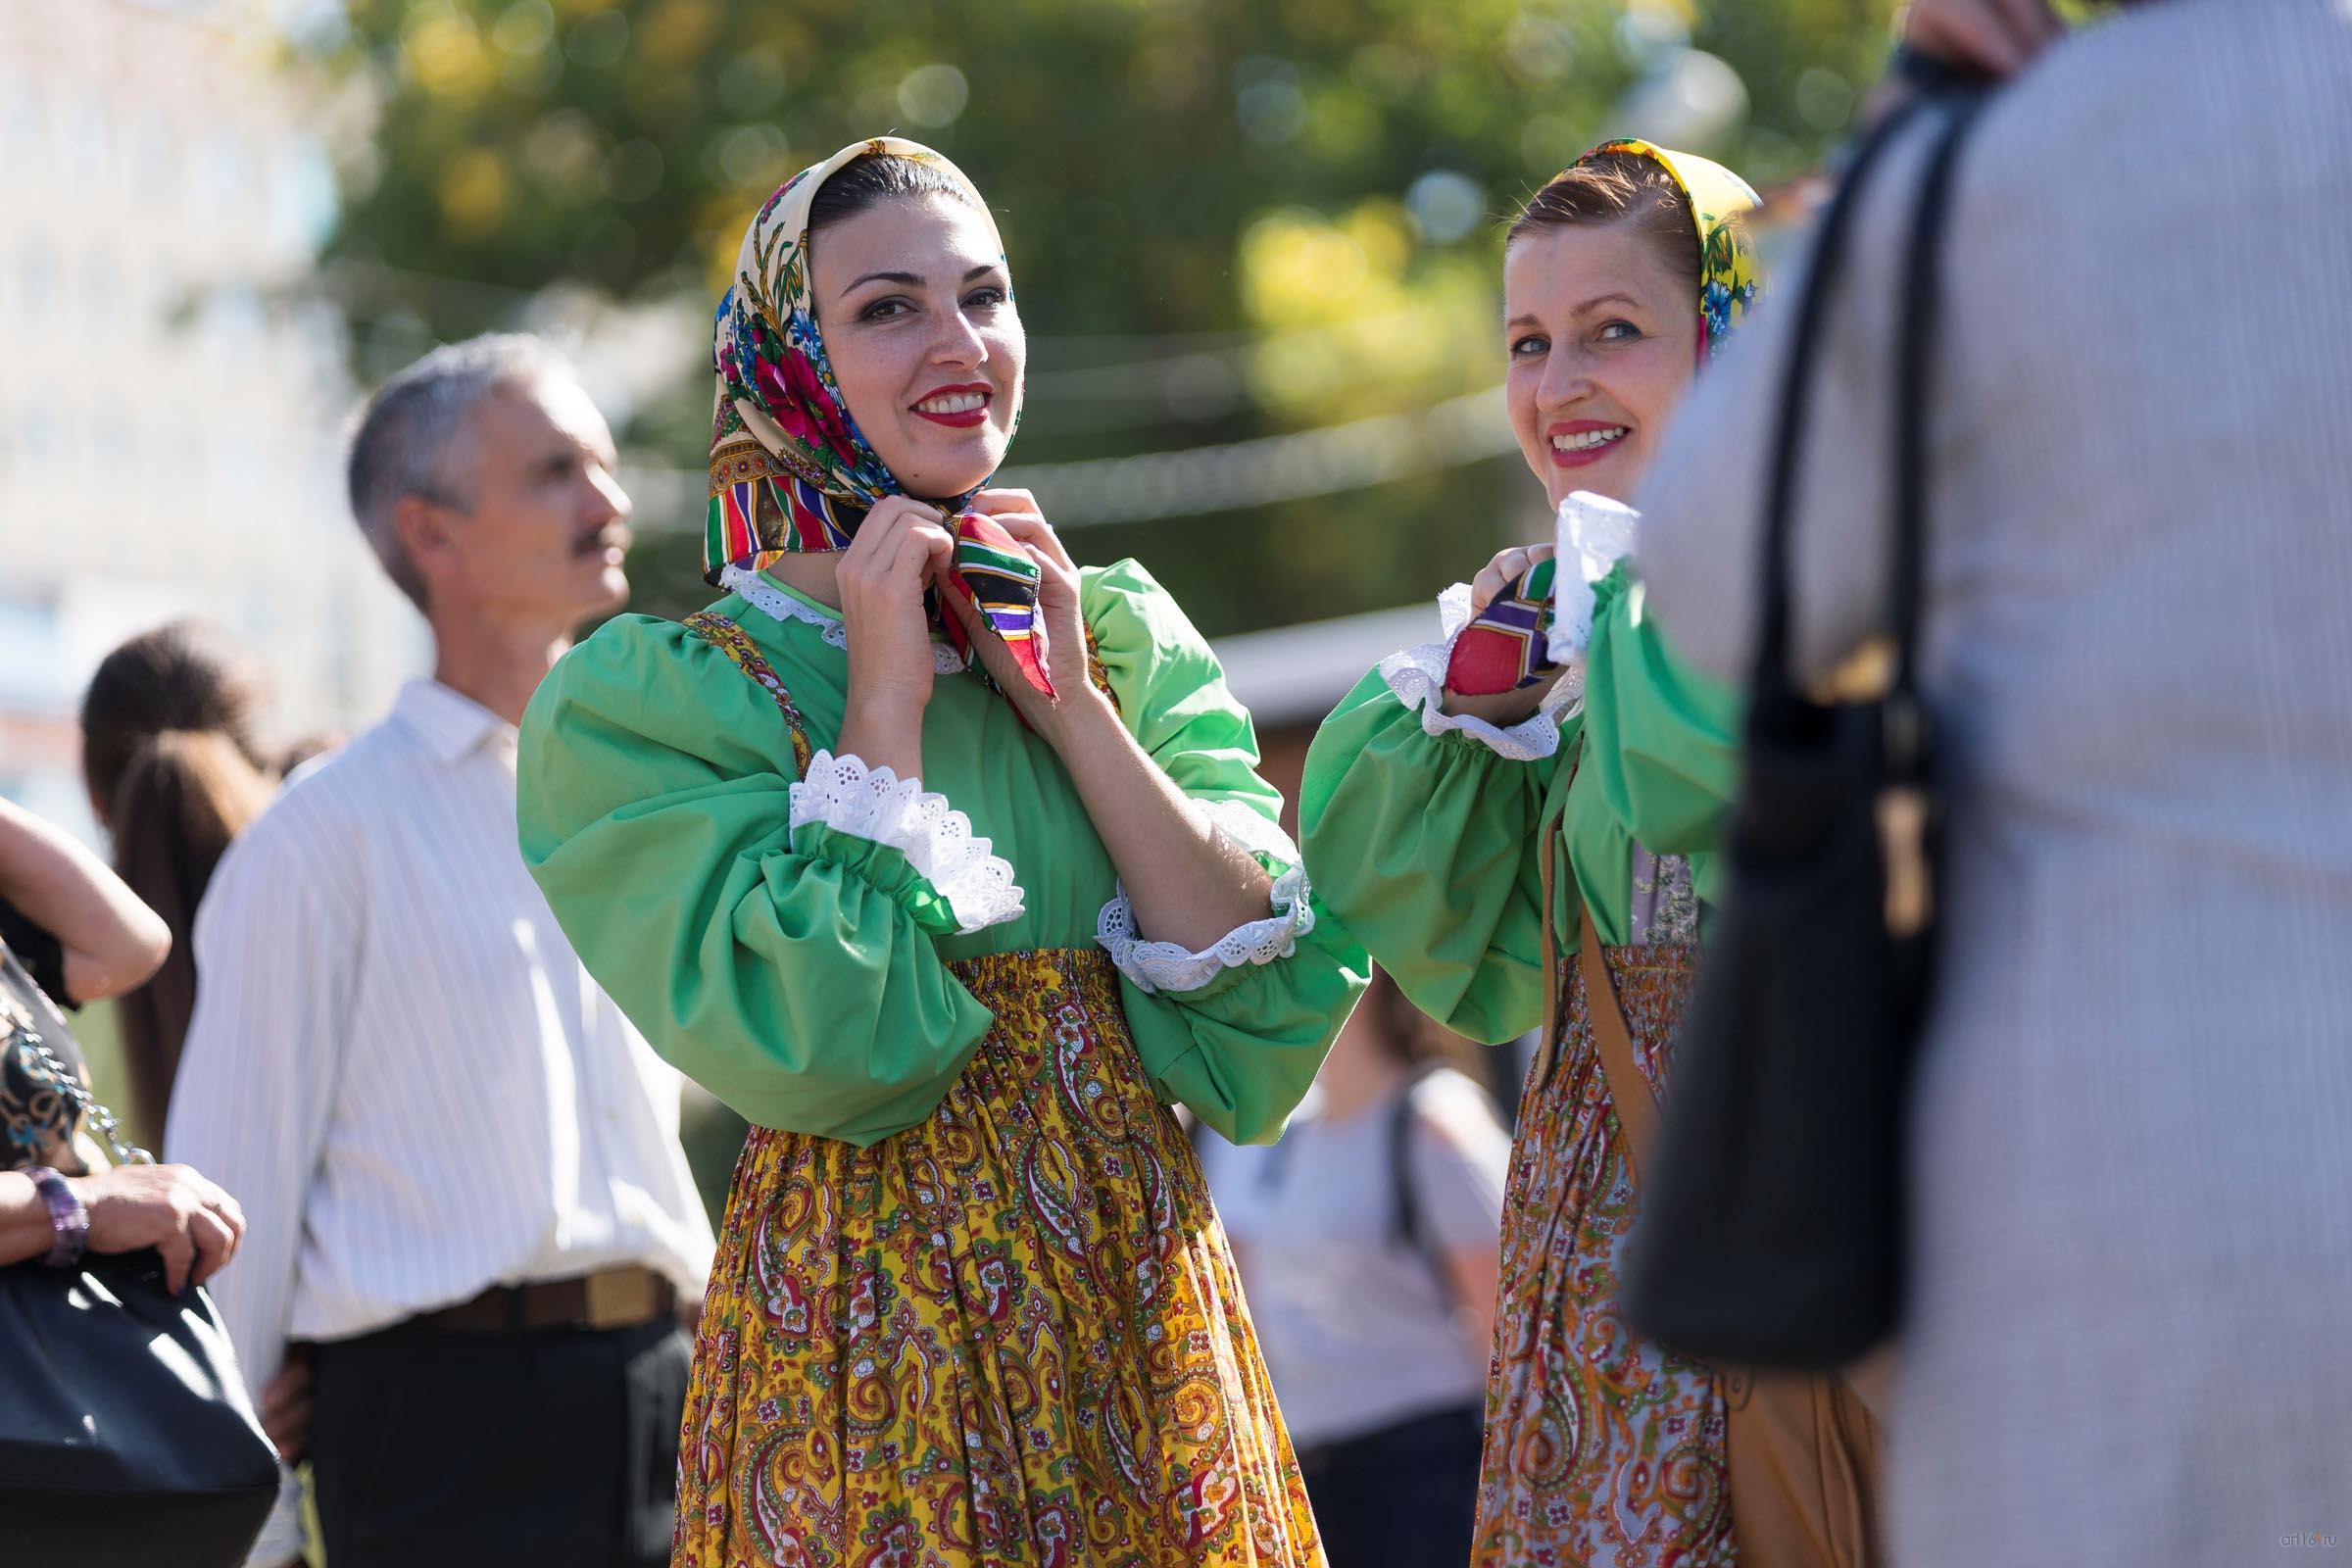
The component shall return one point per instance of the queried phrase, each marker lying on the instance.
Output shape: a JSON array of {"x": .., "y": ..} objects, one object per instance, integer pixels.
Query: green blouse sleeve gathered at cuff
[
  {"x": 775, "y": 953},
  {"x": 1237, "y": 1031},
  {"x": 1424, "y": 844},
  {"x": 1424, "y": 847}
]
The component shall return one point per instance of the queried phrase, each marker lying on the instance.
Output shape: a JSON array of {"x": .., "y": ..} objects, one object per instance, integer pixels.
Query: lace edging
[
  {"x": 875, "y": 803},
  {"x": 763, "y": 595},
  {"x": 1168, "y": 967},
  {"x": 1593, "y": 533}
]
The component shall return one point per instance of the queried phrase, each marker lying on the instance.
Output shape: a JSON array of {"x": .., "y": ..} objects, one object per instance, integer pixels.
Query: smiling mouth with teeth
[
  {"x": 959, "y": 407},
  {"x": 1588, "y": 440}
]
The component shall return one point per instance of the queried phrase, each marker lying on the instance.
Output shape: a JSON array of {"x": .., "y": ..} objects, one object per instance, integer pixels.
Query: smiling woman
[
  {"x": 947, "y": 863},
  {"x": 1433, "y": 808},
  {"x": 886, "y": 289}
]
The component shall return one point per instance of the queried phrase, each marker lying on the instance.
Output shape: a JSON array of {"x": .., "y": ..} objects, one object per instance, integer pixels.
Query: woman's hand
[
  {"x": 190, "y": 1221},
  {"x": 900, "y": 549},
  {"x": 1061, "y": 624},
  {"x": 1188, "y": 883},
  {"x": 1500, "y": 708},
  {"x": 1995, "y": 38}
]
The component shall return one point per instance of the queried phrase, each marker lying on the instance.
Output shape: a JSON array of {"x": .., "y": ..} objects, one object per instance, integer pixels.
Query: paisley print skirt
[
  {"x": 1011, "y": 1335},
  {"x": 1601, "y": 1448}
]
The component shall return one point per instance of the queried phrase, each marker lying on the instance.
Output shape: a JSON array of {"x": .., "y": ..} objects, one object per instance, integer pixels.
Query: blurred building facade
[{"x": 173, "y": 408}]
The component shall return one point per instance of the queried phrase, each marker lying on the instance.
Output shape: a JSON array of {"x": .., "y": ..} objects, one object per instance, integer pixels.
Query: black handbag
[
  {"x": 126, "y": 1436},
  {"x": 1772, "y": 1231}
]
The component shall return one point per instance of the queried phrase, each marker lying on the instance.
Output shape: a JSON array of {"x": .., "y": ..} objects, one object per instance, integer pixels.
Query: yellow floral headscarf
[{"x": 1720, "y": 199}]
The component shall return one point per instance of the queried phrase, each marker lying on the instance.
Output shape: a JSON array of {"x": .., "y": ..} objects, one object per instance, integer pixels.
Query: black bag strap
[
  {"x": 1404, "y": 1199},
  {"x": 1914, "y": 361},
  {"x": 1914, "y": 357}
]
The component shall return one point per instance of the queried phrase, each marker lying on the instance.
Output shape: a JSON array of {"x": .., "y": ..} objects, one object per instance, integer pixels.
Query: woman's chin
[
  {"x": 940, "y": 475},
  {"x": 1613, "y": 477}
]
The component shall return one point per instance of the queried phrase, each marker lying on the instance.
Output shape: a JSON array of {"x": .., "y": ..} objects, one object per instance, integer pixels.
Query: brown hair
[
  {"x": 171, "y": 751},
  {"x": 1617, "y": 188}
]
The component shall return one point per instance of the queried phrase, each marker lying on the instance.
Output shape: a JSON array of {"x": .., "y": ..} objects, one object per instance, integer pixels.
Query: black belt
[{"x": 610, "y": 1298}]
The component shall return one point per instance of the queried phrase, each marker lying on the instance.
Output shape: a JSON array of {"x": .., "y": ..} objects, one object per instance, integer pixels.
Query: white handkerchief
[{"x": 1594, "y": 533}]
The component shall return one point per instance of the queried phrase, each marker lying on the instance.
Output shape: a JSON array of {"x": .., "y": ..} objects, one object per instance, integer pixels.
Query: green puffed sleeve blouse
[
  {"x": 787, "y": 940},
  {"x": 1420, "y": 829}
]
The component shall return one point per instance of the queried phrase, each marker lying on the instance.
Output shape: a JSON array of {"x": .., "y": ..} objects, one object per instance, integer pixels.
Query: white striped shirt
[{"x": 399, "y": 1067}]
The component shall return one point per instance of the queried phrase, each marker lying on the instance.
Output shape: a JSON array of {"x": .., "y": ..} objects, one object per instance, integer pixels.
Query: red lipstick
[
  {"x": 962, "y": 419},
  {"x": 1577, "y": 457}
]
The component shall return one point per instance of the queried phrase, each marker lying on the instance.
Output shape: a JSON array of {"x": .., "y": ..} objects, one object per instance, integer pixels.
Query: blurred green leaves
[{"x": 1226, "y": 218}]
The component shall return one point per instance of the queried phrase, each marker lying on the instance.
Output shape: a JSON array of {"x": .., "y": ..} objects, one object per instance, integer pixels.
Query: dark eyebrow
[
  {"x": 908, "y": 278},
  {"x": 911, "y": 280}
]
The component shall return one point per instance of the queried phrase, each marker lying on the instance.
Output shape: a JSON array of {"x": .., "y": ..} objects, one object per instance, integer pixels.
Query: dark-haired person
[
  {"x": 2130, "y": 1158},
  {"x": 1423, "y": 808},
  {"x": 1369, "y": 1240},
  {"x": 473, "y": 1228},
  {"x": 948, "y": 865},
  {"x": 172, "y": 755}
]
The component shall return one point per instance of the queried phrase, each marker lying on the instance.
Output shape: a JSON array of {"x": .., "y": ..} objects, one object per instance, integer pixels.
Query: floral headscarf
[
  {"x": 1720, "y": 199},
  {"x": 1505, "y": 647},
  {"x": 790, "y": 471}
]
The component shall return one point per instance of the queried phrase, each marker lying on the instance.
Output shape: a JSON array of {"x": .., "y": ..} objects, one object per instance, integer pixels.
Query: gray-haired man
[{"x": 467, "y": 1202}]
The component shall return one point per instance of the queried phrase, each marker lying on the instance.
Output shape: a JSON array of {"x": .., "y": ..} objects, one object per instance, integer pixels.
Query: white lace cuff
[
  {"x": 1418, "y": 678},
  {"x": 842, "y": 794},
  {"x": 1168, "y": 965},
  {"x": 1593, "y": 533}
]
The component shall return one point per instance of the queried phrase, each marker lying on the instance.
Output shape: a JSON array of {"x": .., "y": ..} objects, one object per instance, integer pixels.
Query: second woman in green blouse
[
  {"x": 1422, "y": 813},
  {"x": 947, "y": 864}
]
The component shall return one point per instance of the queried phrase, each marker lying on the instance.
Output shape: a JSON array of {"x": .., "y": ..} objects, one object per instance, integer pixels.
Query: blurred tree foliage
[{"x": 1226, "y": 218}]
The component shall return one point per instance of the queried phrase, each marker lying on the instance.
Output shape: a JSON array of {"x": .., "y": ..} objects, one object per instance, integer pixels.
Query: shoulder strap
[
  {"x": 1404, "y": 1200},
  {"x": 1629, "y": 1094},
  {"x": 736, "y": 643},
  {"x": 1827, "y": 264}
]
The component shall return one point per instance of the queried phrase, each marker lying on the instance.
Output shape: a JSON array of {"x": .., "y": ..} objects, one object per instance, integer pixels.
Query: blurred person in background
[
  {"x": 950, "y": 911},
  {"x": 172, "y": 755},
  {"x": 1368, "y": 1239},
  {"x": 70, "y": 933},
  {"x": 2131, "y": 1136},
  {"x": 1423, "y": 809},
  {"x": 469, "y": 1211}
]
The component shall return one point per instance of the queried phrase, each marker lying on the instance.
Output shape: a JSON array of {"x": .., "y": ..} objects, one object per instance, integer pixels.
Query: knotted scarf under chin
[
  {"x": 991, "y": 573},
  {"x": 995, "y": 577}
]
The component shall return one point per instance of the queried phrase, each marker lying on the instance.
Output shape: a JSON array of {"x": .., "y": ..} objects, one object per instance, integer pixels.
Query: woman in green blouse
[
  {"x": 1423, "y": 809},
  {"x": 947, "y": 864}
]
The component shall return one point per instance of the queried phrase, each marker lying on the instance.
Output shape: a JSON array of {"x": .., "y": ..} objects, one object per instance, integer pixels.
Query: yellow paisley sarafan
[{"x": 1010, "y": 1334}]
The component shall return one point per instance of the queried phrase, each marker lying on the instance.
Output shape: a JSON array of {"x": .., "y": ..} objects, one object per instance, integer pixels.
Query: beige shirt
[{"x": 2133, "y": 1178}]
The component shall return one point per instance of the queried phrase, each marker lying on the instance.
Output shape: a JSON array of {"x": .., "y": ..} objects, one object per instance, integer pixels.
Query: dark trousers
[
  {"x": 435, "y": 1450},
  {"x": 1404, "y": 1497}
]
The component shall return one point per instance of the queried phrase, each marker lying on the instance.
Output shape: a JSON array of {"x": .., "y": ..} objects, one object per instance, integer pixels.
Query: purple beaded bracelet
[{"x": 67, "y": 1217}]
